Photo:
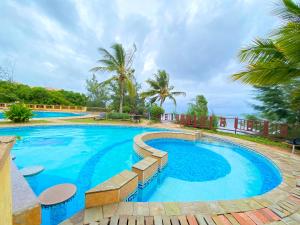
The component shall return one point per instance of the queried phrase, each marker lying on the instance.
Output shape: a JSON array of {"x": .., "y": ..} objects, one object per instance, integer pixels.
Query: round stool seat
[
  {"x": 57, "y": 194},
  {"x": 31, "y": 170},
  {"x": 13, "y": 157}
]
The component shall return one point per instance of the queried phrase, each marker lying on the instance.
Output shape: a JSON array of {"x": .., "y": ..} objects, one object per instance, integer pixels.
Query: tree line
[{"x": 16, "y": 92}]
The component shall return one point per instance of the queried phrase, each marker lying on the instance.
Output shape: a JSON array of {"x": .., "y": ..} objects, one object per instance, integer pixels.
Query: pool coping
[{"x": 274, "y": 199}]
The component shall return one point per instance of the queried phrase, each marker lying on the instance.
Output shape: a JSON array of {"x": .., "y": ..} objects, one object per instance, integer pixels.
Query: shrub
[
  {"x": 18, "y": 113},
  {"x": 215, "y": 122},
  {"x": 155, "y": 112},
  {"x": 118, "y": 116},
  {"x": 126, "y": 109}
]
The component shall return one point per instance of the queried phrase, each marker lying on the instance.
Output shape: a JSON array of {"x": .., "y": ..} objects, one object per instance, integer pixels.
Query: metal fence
[{"x": 231, "y": 124}]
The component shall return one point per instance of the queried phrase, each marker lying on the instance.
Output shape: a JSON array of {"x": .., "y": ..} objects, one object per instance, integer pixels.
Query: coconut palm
[
  {"x": 275, "y": 60},
  {"x": 119, "y": 63},
  {"x": 160, "y": 88}
]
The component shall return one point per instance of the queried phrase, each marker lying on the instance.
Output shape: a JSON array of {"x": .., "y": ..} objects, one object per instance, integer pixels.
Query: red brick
[
  {"x": 192, "y": 220},
  {"x": 255, "y": 218},
  {"x": 243, "y": 219},
  {"x": 270, "y": 214}
]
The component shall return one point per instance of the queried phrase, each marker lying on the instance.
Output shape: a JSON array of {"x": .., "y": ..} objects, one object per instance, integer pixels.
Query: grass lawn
[
  {"x": 91, "y": 120},
  {"x": 30, "y": 122},
  {"x": 253, "y": 138}
]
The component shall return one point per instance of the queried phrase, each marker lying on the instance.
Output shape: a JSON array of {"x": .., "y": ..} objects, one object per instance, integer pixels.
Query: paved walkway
[{"x": 258, "y": 217}]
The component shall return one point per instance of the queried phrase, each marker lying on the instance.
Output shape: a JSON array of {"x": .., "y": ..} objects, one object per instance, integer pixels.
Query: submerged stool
[
  {"x": 57, "y": 194},
  {"x": 31, "y": 170},
  {"x": 13, "y": 157}
]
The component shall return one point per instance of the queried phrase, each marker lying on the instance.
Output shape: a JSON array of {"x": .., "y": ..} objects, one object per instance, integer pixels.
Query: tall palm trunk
[{"x": 121, "y": 95}]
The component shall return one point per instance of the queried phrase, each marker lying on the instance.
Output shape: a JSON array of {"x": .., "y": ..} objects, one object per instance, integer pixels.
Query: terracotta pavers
[{"x": 227, "y": 219}]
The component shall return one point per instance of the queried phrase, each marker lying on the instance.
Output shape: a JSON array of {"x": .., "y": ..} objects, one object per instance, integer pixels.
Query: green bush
[
  {"x": 18, "y": 113},
  {"x": 155, "y": 112},
  {"x": 215, "y": 121},
  {"x": 118, "y": 116},
  {"x": 126, "y": 109}
]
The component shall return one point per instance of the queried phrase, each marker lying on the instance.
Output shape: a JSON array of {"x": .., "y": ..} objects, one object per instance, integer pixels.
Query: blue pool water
[
  {"x": 44, "y": 114},
  {"x": 211, "y": 169},
  {"x": 87, "y": 155},
  {"x": 82, "y": 155}
]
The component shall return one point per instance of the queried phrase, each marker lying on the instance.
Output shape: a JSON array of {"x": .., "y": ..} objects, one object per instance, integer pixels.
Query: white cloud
[{"x": 196, "y": 41}]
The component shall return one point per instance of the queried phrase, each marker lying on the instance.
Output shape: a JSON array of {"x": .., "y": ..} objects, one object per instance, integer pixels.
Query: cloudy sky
[{"x": 54, "y": 43}]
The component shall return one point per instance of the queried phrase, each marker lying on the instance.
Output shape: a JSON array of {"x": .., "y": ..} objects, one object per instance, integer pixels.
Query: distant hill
[{"x": 12, "y": 92}]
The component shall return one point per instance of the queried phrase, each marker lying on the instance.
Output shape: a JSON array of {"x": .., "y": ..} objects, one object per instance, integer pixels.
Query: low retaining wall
[
  {"x": 26, "y": 206},
  {"x": 18, "y": 204},
  {"x": 55, "y": 108},
  {"x": 6, "y": 143},
  {"x": 116, "y": 189}
]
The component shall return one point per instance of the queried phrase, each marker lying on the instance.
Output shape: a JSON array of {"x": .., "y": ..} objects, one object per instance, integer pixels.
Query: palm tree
[
  {"x": 118, "y": 62},
  {"x": 160, "y": 88},
  {"x": 275, "y": 60}
]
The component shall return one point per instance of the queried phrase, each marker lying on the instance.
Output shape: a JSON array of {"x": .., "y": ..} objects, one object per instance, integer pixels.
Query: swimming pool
[
  {"x": 87, "y": 155},
  {"x": 44, "y": 114},
  {"x": 211, "y": 169},
  {"x": 84, "y": 155}
]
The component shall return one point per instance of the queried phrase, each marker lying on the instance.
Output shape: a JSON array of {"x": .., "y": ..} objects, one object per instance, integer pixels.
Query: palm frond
[
  {"x": 131, "y": 88},
  {"x": 107, "y": 55},
  {"x": 149, "y": 93},
  {"x": 153, "y": 84},
  {"x": 119, "y": 54},
  {"x": 130, "y": 56},
  {"x": 98, "y": 68},
  {"x": 288, "y": 10},
  {"x": 173, "y": 99},
  {"x": 108, "y": 81},
  {"x": 289, "y": 38},
  {"x": 153, "y": 99},
  {"x": 261, "y": 51},
  {"x": 267, "y": 73},
  {"x": 109, "y": 65},
  {"x": 177, "y": 93}
]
